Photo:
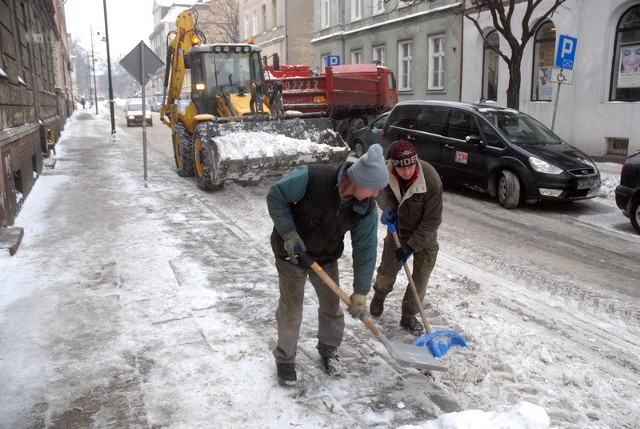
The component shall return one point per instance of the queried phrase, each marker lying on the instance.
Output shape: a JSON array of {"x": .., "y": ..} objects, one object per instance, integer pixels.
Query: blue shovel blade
[{"x": 440, "y": 342}]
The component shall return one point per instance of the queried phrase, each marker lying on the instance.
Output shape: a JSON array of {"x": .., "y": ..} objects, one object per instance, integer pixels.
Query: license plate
[{"x": 586, "y": 184}]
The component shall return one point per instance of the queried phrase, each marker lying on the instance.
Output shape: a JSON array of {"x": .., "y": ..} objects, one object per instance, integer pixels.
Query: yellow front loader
[{"x": 226, "y": 122}]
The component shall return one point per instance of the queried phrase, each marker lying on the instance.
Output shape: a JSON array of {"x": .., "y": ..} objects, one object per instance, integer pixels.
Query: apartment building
[
  {"x": 283, "y": 27},
  {"x": 598, "y": 107},
  {"x": 420, "y": 41},
  {"x": 35, "y": 93}
]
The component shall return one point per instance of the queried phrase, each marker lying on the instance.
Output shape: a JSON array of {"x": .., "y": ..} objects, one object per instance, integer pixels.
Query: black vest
[{"x": 319, "y": 220}]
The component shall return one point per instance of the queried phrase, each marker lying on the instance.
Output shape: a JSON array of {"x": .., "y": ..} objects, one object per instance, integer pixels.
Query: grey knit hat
[{"x": 370, "y": 171}]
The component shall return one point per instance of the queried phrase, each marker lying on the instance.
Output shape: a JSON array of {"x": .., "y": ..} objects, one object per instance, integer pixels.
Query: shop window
[
  {"x": 490, "y": 62},
  {"x": 625, "y": 78},
  {"x": 543, "y": 56}
]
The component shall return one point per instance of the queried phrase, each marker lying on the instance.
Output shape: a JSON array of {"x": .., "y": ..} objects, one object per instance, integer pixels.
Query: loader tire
[
  {"x": 202, "y": 160},
  {"x": 182, "y": 150}
]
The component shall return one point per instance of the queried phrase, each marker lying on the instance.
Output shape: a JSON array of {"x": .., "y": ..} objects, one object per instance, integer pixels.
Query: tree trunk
[{"x": 515, "y": 78}]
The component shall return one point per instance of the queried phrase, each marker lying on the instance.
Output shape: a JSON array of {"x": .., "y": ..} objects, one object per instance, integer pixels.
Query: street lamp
[
  {"x": 111, "y": 102},
  {"x": 93, "y": 60}
]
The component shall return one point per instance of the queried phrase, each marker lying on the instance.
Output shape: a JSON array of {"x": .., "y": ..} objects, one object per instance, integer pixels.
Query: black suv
[
  {"x": 628, "y": 191},
  {"x": 501, "y": 150}
]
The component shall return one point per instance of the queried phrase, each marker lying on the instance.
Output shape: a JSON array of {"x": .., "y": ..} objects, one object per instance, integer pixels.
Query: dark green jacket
[{"x": 307, "y": 202}]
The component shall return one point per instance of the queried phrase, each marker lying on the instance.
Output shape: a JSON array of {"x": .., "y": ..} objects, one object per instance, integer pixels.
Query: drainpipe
[{"x": 286, "y": 32}]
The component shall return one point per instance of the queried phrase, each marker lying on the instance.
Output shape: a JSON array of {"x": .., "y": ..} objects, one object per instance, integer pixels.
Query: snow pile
[
  {"x": 260, "y": 144},
  {"x": 523, "y": 415}
]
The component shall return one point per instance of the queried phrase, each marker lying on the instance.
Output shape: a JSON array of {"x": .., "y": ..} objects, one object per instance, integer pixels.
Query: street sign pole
[
  {"x": 137, "y": 62},
  {"x": 144, "y": 118},
  {"x": 565, "y": 59}
]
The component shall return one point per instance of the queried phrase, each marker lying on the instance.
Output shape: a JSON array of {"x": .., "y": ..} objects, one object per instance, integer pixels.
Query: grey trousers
[
  {"x": 423, "y": 263},
  {"x": 292, "y": 280}
]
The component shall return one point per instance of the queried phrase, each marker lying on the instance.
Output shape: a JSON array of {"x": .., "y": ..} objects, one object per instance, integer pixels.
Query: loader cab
[{"x": 222, "y": 76}]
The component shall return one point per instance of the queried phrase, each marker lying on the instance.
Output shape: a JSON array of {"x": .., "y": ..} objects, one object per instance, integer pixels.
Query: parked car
[
  {"x": 500, "y": 150},
  {"x": 628, "y": 191},
  {"x": 361, "y": 139},
  {"x": 133, "y": 112}
]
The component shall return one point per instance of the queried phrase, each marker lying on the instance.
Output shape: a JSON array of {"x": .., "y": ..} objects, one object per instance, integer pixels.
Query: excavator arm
[{"x": 185, "y": 37}]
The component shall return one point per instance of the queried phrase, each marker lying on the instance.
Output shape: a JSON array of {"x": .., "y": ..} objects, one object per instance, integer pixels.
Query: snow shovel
[
  {"x": 438, "y": 342},
  {"x": 405, "y": 354}
]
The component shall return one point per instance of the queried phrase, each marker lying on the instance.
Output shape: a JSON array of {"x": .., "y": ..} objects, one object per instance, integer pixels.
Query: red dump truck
[{"x": 352, "y": 95}]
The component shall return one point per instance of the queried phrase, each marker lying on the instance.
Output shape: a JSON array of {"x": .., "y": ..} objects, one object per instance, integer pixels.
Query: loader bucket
[{"x": 251, "y": 150}]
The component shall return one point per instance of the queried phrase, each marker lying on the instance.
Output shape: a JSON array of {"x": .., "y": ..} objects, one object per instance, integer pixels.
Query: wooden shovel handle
[
  {"x": 337, "y": 290},
  {"x": 412, "y": 285}
]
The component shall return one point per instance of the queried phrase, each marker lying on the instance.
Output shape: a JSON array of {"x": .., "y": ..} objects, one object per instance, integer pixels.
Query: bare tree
[
  {"x": 502, "y": 16},
  {"x": 220, "y": 21},
  {"x": 502, "y": 21}
]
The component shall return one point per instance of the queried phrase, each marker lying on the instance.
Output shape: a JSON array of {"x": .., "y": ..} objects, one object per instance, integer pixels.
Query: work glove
[
  {"x": 403, "y": 254},
  {"x": 389, "y": 217},
  {"x": 358, "y": 307},
  {"x": 294, "y": 245}
]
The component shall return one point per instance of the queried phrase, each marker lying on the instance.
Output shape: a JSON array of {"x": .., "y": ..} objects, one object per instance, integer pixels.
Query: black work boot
[
  {"x": 377, "y": 304},
  {"x": 287, "y": 374},
  {"x": 411, "y": 324},
  {"x": 332, "y": 365}
]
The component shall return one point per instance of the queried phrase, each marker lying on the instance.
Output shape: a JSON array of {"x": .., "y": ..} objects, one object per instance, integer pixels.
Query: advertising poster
[
  {"x": 629, "y": 73},
  {"x": 545, "y": 86}
]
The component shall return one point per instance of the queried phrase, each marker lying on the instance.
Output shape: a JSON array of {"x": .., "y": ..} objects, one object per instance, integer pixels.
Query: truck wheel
[
  {"x": 182, "y": 150},
  {"x": 202, "y": 160},
  {"x": 358, "y": 148},
  {"x": 634, "y": 213},
  {"x": 508, "y": 190}
]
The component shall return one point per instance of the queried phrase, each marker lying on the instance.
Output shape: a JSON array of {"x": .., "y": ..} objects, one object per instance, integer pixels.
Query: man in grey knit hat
[{"x": 312, "y": 209}]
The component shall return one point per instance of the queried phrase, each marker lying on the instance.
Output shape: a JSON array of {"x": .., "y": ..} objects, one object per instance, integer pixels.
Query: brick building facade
[{"x": 35, "y": 93}]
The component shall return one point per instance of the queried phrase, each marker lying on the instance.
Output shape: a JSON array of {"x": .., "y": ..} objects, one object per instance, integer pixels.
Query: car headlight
[
  {"x": 543, "y": 166},
  {"x": 148, "y": 115},
  {"x": 130, "y": 117}
]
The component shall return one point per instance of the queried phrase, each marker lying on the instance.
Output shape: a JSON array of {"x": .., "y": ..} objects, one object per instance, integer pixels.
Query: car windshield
[
  {"x": 519, "y": 128},
  {"x": 135, "y": 106}
]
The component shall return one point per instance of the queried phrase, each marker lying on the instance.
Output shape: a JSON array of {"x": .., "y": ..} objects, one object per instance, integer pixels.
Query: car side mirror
[{"x": 474, "y": 139}]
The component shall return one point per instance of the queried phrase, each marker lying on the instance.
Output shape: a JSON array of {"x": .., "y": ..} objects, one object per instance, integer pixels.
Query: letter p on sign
[{"x": 566, "y": 53}]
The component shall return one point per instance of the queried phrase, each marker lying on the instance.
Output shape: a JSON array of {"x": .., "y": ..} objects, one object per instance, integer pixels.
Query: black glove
[
  {"x": 403, "y": 254},
  {"x": 294, "y": 245}
]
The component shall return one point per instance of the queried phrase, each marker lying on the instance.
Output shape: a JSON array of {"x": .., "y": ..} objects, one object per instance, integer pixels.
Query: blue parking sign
[
  {"x": 333, "y": 60},
  {"x": 566, "y": 55}
]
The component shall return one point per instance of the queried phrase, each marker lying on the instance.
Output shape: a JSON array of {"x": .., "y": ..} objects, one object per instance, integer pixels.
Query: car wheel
[
  {"x": 634, "y": 213},
  {"x": 508, "y": 189},
  {"x": 358, "y": 148}
]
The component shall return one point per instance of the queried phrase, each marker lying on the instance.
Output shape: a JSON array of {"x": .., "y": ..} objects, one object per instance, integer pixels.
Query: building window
[
  {"x": 617, "y": 146},
  {"x": 378, "y": 55},
  {"x": 436, "y": 63},
  {"x": 246, "y": 27},
  {"x": 356, "y": 56},
  {"x": 378, "y": 6},
  {"x": 543, "y": 60},
  {"x": 264, "y": 18},
  {"x": 404, "y": 65},
  {"x": 625, "y": 77},
  {"x": 490, "y": 60},
  {"x": 324, "y": 13},
  {"x": 356, "y": 10},
  {"x": 255, "y": 23},
  {"x": 274, "y": 12}
]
